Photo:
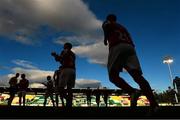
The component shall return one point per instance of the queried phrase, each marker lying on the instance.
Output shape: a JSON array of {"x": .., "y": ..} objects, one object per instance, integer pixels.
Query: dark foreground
[{"x": 87, "y": 113}]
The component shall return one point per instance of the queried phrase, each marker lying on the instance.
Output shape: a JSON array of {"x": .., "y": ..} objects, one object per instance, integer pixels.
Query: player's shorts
[
  {"x": 56, "y": 90},
  {"x": 123, "y": 56},
  {"x": 67, "y": 78},
  {"x": 22, "y": 93},
  {"x": 13, "y": 90}
]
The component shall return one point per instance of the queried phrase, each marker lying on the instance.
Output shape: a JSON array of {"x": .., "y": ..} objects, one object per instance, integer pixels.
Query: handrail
[{"x": 93, "y": 91}]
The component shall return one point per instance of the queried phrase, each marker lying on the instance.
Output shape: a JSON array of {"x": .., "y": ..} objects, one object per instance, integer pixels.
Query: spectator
[
  {"x": 13, "y": 88},
  {"x": 22, "y": 86}
]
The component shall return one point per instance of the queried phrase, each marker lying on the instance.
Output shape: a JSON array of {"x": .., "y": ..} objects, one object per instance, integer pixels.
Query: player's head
[
  {"x": 48, "y": 77},
  {"x": 176, "y": 77},
  {"x": 111, "y": 17},
  {"x": 67, "y": 46},
  {"x": 17, "y": 75},
  {"x": 23, "y": 76}
]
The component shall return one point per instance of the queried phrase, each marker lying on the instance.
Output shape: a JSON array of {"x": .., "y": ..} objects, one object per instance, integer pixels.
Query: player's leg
[
  {"x": 45, "y": 99},
  {"x": 144, "y": 85},
  {"x": 52, "y": 99},
  {"x": 120, "y": 82}
]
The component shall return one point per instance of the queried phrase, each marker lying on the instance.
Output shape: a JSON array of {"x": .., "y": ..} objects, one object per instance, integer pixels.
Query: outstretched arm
[
  {"x": 45, "y": 84},
  {"x": 57, "y": 57},
  {"x": 105, "y": 40},
  {"x": 105, "y": 29},
  {"x": 105, "y": 37},
  {"x": 54, "y": 76}
]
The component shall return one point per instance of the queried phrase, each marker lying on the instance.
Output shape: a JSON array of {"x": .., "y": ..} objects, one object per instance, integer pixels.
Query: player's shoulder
[
  {"x": 120, "y": 26},
  {"x": 106, "y": 22},
  {"x": 72, "y": 53}
]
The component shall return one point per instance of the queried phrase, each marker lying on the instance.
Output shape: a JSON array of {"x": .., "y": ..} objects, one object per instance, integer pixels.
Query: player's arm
[
  {"x": 105, "y": 30},
  {"x": 105, "y": 38},
  {"x": 45, "y": 84},
  {"x": 128, "y": 36},
  {"x": 57, "y": 57},
  {"x": 27, "y": 83},
  {"x": 10, "y": 81},
  {"x": 54, "y": 76}
]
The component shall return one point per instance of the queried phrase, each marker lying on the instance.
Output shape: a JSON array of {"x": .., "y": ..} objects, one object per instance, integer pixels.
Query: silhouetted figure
[
  {"x": 88, "y": 95},
  {"x": 58, "y": 91},
  {"x": 13, "y": 88},
  {"x": 22, "y": 86},
  {"x": 49, "y": 90},
  {"x": 105, "y": 96},
  {"x": 122, "y": 54},
  {"x": 68, "y": 74},
  {"x": 98, "y": 95},
  {"x": 171, "y": 95},
  {"x": 176, "y": 84}
]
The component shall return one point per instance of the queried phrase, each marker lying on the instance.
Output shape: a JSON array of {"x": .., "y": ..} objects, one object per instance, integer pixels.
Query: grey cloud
[
  {"x": 4, "y": 80},
  {"x": 24, "y": 63},
  {"x": 84, "y": 83},
  {"x": 36, "y": 85},
  {"x": 34, "y": 75},
  {"x": 23, "y": 17},
  {"x": 20, "y": 20},
  {"x": 95, "y": 53},
  {"x": 77, "y": 40}
]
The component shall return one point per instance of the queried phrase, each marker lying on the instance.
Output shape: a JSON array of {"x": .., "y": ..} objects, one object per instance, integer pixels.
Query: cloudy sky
[{"x": 31, "y": 29}]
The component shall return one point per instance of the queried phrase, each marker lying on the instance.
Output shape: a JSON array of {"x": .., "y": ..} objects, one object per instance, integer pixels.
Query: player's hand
[{"x": 53, "y": 53}]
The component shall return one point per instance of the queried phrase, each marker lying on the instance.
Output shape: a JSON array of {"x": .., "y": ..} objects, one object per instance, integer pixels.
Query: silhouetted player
[
  {"x": 105, "y": 96},
  {"x": 13, "y": 88},
  {"x": 22, "y": 86},
  {"x": 67, "y": 77},
  {"x": 176, "y": 84},
  {"x": 122, "y": 54},
  {"x": 98, "y": 95},
  {"x": 58, "y": 91},
  {"x": 49, "y": 90},
  {"x": 171, "y": 95},
  {"x": 88, "y": 95}
]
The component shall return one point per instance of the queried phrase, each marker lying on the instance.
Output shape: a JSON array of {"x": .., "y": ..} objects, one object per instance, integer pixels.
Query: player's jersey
[
  {"x": 68, "y": 59},
  {"x": 23, "y": 84},
  {"x": 116, "y": 34}
]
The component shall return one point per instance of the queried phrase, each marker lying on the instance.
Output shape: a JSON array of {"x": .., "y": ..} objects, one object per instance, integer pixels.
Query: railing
[{"x": 93, "y": 91}]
